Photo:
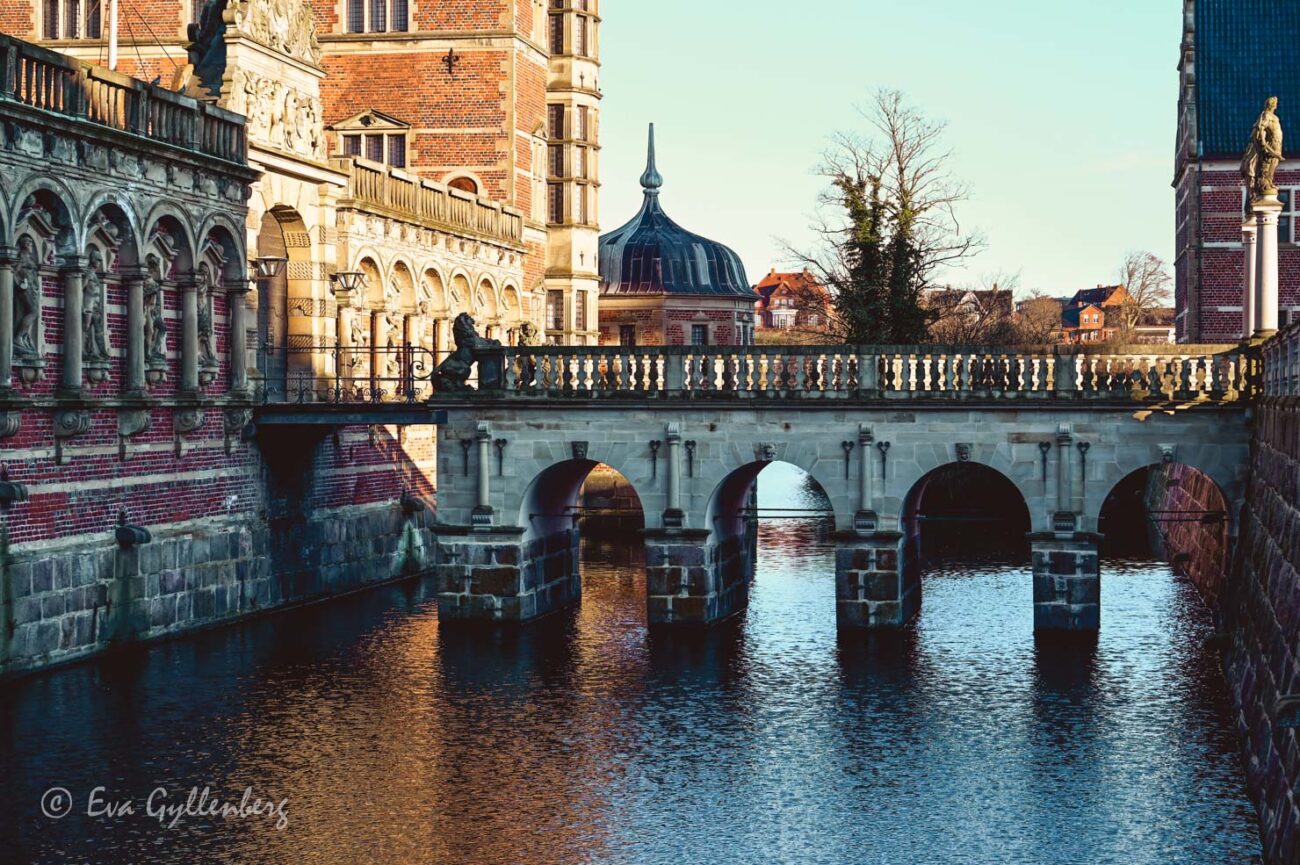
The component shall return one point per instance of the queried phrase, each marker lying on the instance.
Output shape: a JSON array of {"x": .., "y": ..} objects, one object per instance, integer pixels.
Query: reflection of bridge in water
[{"x": 1053, "y": 430}]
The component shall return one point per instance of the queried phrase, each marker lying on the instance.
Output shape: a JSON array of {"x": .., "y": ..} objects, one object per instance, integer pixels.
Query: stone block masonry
[
  {"x": 1067, "y": 583},
  {"x": 692, "y": 579},
  {"x": 875, "y": 587},
  {"x": 63, "y": 602},
  {"x": 497, "y": 576},
  {"x": 1261, "y": 612}
]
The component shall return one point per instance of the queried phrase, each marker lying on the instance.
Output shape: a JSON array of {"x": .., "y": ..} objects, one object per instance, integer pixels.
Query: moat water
[{"x": 586, "y": 739}]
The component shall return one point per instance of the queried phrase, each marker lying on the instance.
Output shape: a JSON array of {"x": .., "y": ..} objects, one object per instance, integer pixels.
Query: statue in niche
[
  {"x": 1263, "y": 153},
  {"x": 207, "y": 340},
  {"x": 394, "y": 346},
  {"x": 454, "y": 372},
  {"x": 155, "y": 328},
  {"x": 27, "y": 299},
  {"x": 94, "y": 326}
]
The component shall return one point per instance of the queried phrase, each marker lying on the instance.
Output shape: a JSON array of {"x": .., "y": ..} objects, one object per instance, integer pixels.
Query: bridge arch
[
  {"x": 962, "y": 493},
  {"x": 1175, "y": 511}
]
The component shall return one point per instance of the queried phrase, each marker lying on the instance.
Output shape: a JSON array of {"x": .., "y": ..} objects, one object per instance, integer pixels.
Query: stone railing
[
  {"x": 1174, "y": 374},
  {"x": 396, "y": 193},
  {"x": 1281, "y": 363},
  {"x": 53, "y": 82}
]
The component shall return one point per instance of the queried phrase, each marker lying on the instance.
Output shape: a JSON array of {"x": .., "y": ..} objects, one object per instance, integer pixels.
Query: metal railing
[
  {"x": 354, "y": 375},
  {"x": 1222, "y": 373},
  {"x": 53, "y": 82}
]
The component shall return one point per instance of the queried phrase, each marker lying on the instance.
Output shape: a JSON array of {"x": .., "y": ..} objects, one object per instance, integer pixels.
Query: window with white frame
[
  {"x": 378, "y": 16},
  {"x": 72, "y": 19},
  {"x": 374, "y": 136},
  {"x": 555, "y": 310}
]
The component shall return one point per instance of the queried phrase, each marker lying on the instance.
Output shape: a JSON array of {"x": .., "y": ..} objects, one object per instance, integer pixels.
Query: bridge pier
[
  {"x": 692, "y": 580},
  {"x": 497, "y": 576},
  {"x": 875, "y": 588},
  {"x": 1067, "y": 582}
]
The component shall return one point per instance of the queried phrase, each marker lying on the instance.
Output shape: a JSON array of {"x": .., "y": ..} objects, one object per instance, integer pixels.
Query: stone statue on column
[
  {"x": 1263, "y": 152},
  {"x": 27, "y": 299},
  {"x": 93, "y": 323},
  {"x": 207, "y": 338},
  {"x": 155, "y": 328}
]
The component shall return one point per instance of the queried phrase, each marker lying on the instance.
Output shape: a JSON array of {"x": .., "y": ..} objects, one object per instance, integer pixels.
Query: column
[
  {"x": 237, "y": 299},
  {"x": 189, "y": 334},
  {"x": 1064, "y": 482},
  {"x": 72, "y": 271},
  {"x": 482, "y": 515},
  {"x": 865, "y": 519},
  {"x": 7, "y": 254},
  {"x": 1266, "y": 210},
  {"x": 1249, "y": 231},
  {"x": 133, "y": 280},
  {"x": 673, "y": 516}
]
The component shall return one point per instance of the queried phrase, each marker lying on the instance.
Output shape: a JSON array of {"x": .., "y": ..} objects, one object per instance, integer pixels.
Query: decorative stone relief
[
  {"x": 10, "y": 423},
  {"x": 188, "y": 420},
  {"x": 963, "y": 452},
  {"x": 580, "y": 450},
  {"x": 279, "y": 116}
]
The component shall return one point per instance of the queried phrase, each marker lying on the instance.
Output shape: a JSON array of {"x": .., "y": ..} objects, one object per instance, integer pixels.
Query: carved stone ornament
[
  {"x": 188, "y": 420},
  {"x": 10, "y": 423},
  {"x": 765, "y": 452},
  {"x": 71, "y": 423},
  {"x": 236, "y": 419},
  {"x": 278, "y": 116},
  {"x": 132, "y": 422},
  {"x": 580, "y": 450},
  {"x": 1263, "y": 153},
  {"x": 963, "y": 452}
]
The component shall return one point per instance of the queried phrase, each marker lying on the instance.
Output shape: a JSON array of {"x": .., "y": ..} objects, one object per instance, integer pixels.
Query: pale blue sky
[{"x": 1062, "y": 117}]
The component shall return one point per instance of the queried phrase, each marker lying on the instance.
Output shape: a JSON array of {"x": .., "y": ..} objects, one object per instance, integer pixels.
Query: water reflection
[{"x": 585, "y": 739}]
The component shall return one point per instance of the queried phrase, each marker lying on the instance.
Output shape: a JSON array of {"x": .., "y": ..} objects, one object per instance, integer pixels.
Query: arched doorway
[
  {"x": 282, "y": 235},
  {"x": 1173, "y": 512}
]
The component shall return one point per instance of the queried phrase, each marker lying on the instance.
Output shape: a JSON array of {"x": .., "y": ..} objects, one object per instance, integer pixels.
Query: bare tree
[
  {"x": 1038, "y": 318},
  {"x": 887, "y": 223},
  {"x": 982, "y": 314},
  {"x": 1148, "y": 285}
]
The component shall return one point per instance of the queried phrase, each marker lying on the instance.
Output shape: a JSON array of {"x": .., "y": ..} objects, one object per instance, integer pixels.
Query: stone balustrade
[
  {"x": 1180, "y": 374},
  {"x": 395, "y": 193},
  {"x": 63, "y": 85},
  {"x": 1281, "y": 363}
]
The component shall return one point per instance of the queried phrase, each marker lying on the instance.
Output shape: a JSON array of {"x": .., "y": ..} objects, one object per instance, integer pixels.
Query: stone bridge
[{"x": 691, "y": 428}]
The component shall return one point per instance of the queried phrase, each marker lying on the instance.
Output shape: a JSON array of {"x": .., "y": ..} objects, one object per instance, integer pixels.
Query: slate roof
[
  {"x": 1245, "y": 52},
  {"x": 653, "y": 255}
]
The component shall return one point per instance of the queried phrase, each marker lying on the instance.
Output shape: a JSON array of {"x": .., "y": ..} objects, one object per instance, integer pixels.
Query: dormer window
[
  {"x": 375, "y": 136},
  {"x": 378, "y": 16}
]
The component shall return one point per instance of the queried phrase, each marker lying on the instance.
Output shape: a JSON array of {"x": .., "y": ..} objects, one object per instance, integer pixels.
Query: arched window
[{"x": 464, "y": 184}]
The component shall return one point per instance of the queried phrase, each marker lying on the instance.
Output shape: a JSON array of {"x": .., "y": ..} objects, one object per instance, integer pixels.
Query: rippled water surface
[{"x": 587, "y": 740}]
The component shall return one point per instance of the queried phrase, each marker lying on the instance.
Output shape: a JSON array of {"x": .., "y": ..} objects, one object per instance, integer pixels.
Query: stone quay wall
[
  {"x": 64, "y": 602},
  {"x": 1261, "y": 612}
]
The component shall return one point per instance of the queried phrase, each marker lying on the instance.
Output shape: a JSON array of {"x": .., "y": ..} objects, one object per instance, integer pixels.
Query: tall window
[
  {"x": 351, "y": 145},
  {"x": 627, "y": 335},
  {"x": 555, "y": 153},
  {"x": 555, "y": 310},
  {"x": 72, "y": 19},
  {"x": 555, "y": 203},
  {"x": 375, "y": 148},
  {"x": 580, "y": 30},
  {"x": 378, "y": 16},
  {"x": 699, "y": 334},
  {"x": 580, "y": 310},
  {"x": 557, "y": 34},
  {"x": 555, "y": 121},
  {"x": 397, "y": 151},
  {"x": 581, "y": 170},
  {"x": 580, "y": 199},
  {"x": 580, "y": 121}
]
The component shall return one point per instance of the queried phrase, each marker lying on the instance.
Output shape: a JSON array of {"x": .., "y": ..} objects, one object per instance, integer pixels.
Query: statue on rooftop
[{"x": 1263, "y": 153}]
